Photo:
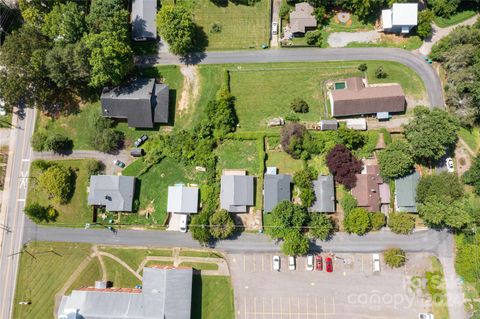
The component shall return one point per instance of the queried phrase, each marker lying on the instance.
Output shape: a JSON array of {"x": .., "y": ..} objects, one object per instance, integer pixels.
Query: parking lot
[{"x": 352, "y": 290}]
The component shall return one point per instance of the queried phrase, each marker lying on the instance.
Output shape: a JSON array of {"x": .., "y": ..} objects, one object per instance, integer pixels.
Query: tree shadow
[{"x": 200, "y": 43}]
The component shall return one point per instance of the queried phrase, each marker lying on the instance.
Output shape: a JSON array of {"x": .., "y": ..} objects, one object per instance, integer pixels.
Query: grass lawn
[
  {"x": 435, "y": 285},
  {"x": 154, "y": 185},
  {"x": 197, "y": 253},
  {"x": 471, "y": 137},
  {"x": 77, "y": 125},
  {"x": 284, "y": 162},
  {"x": 76, "y": 212},
  {"x": 134, "y": 257},
  {"x": 41, "y": 278},
  {"x": 152, "y": 263},
  {"x": 407, "y": 43},
  {"x": 234, "y": 154},
  {"x": 119, "y": 275},
  {"x": 242, "y": 26},
  {"x": 212, "y": 298},
  {"x": 354, "y": 26},
  {"x": 88, "y": 276},
  {"x": 454, "y": 19},
  {"x": 199, "y": 265}
]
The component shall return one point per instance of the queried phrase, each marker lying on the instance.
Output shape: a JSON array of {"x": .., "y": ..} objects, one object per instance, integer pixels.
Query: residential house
[
  {"x": 367, "y": 189},
  {"x": 302, "y": 19},
  {"x": 141, "y": 103},
  {"x": 113, "y": 192},
  {"x": 182, "y": 199},
  {"x": 406, "y": 191},
  {"x": 236, "y": 191},
  {"x": 143, "y": 19},
  {"x": 359, "y": 99},
  {"x": 276, "y": 188},
  {"x": 401, "y": 18},
  {"x": 166, "y": 293},
  {"x": 324, "y": 188},
  {"x": 328, "y": 125}
]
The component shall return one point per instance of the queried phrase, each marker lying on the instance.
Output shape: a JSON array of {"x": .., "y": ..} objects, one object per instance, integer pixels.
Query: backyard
[
  {"x": 241, "y": 26},
  {"x": 48, "y": 270},
  {"x": 234, "y": 154}
]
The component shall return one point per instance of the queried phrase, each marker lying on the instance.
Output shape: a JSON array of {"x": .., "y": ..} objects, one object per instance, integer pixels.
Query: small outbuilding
[
  {"x": 356, "y": 124},
  {"x": 137, "y": 152},
  {"x": 328, "y": 125}
]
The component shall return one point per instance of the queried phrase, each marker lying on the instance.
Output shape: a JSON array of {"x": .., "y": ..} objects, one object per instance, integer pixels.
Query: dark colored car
[
  {"x": 140, "y": 140},
  {"x": 328, "y": 264},
  {"x": 319, "y": 263},
  {"x": 119, "y": 163}
]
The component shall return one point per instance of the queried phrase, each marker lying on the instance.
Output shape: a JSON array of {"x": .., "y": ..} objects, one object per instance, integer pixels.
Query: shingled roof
[
  {"x": 112, "y": 191},
  {"x": 357, "y": 99},
  {"x": 143, "y": 19},
  {"x": 236, "y": 193},
  {"x": 276, "y": 188},
  {"x": 324, "y": 188},
  {"x": 302, "y": 18},
  {"x": 366, "y": 190}
]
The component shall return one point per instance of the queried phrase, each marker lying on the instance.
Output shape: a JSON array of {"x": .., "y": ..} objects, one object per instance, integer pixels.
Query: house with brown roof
[
  {"x": 357, "y": 98},
  {"x": 302, "y": 19},
  {"x": 367, "y": 190}
]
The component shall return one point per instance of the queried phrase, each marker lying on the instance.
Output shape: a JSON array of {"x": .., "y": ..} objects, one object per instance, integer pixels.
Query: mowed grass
[
  {"x": 134, "y": 257},
  {"x": 76, "y": 212},
  {"x": 198, "y": 253},
  {"x": 88, "y": 276},
  {"x": 454, "y": 19},
  {"x": 40, "y": 278},
  {"x": 119, "y": 275},
  {"x": 242, "y": 26},
  {"x": 199, "y": 265},
  {"x": 212, "y": 297},
  {"x": 234, "y": 154},
  {"x": 77, "y": 126},
  {"x": 354, "y": 26},
  {"x": 470, "y": 136},
  {"x": 283, "y": 162},
  {"x": 154, "y": 187}
]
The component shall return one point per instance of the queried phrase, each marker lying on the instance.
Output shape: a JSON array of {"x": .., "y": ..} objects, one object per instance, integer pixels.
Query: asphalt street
[{"x": 412, "y": 60}]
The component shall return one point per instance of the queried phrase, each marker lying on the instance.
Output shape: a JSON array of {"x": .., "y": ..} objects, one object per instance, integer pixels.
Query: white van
[
  {"x": 183, "y": 223},
  {"x": 376, "y": 262}
]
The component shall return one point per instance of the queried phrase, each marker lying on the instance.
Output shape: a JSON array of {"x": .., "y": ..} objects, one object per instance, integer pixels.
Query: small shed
[
  {"x": 271, "y": 170},
  {"x": 383, "y": 116},
  {"x": 137, "y": 152},
  {"x": 328, "y": 125},
  {"x": 357, "y": 124}
]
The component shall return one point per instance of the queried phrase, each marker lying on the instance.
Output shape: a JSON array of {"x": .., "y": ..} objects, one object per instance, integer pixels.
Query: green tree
[
  {"x": 220, "y": 114},
  {"x": 348, "y": 202},
  {"x": 295, "y": 244},
  {"x": 58, "y": 143},
  {"x": 314, "y": 38},
  {"x": 396, "y": 160},
  {"x": 94, "y": 167},
  {"x": 424, "y": 26},
  {"x": 321, "y": 226},
  {"x": 444, "y": 8},
  {"x": 357, "y": 221},
  {"x": 286, "y": 217},
  {"x": 299, "y": 106},
  {"x": 434, "y": 185},
  {"x": 437, "y": 212},
  {"x": 108, "y": 15},
  {"x": 58, "y": 182},
  {"x": 39, "y": 214},
  {"x": 176, "y": 26},
  {"x": 377, "y": 220},
  {"x": 395, "y": 257},
  {"x": 109, "y": 140},
  {"x": 350, "y": 138},
  {"x": 38, "y": 141},
  {"x": 380, "y": 73},
  {"x": 65, "y": 23},
  {"x": 472, "y": 176},
  {"x": 303, "y": 180},
  {"x": 431, "y": 132},
  {"x": 401, "y": 223},
  {"x": 199, "y": 228},
  {"x": 365, "y": 8},
  {"x": 111, "y": 58},
  {"x": 362, "y": 67},
  {"x": 221, "y": 224}
]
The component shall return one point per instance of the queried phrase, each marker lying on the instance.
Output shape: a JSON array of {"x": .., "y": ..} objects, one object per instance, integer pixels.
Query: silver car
[{"x": 310, "y": 262}]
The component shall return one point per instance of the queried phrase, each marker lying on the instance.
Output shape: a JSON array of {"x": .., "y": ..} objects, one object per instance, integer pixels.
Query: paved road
[
  {"x": 412, "y": 60},
  {"x": 12, "y": 209}
]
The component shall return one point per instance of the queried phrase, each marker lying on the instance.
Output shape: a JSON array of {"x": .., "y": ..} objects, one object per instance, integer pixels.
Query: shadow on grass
[{"x": 197, "y": 297}]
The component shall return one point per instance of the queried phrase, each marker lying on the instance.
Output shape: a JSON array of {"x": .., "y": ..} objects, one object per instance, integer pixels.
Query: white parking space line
[
  {"x": 255, "y": 307},
  {"x": 26, "y": 160},
  {"x": 244, "y": 266},
  {"x": 21, "y": 200},
  {"x": 245, "y": 305}
]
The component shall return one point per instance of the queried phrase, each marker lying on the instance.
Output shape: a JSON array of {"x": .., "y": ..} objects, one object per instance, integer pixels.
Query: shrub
[
  {"x": 216, "y": 28},
  {"x": 41, "y": 165},
  {"x": 299, "y": 106},
  {"x": 58, "y": 182},
  {"x": 221, "y": 224},
  {"x": 38, "y": 141},
  {"x": 362, "y": 67},
  {"x": 58, "y": 143},
  {"x": 380, "y": 73},
  {"x": 343, "y": 165},
  {"x": 401, "y": 223},
  {"x": 292, "y": 118},
  {"x": 377, "y": 220},
  {"x": 357, "y": 221},
  {"x": 314, "y": 38},
  {"x": 395, "y": 257},
  {"x": 303, "y": 180},
  {"x": 38, "y": 213},
  {"x": 348, "y": 202},
  {"x": 94, "y": 167}
]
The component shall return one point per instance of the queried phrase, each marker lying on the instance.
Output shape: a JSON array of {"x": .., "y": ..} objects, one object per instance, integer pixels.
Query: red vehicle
[
  {"x": 318, "y": 263},
  {"x": 328, "y": 264}
]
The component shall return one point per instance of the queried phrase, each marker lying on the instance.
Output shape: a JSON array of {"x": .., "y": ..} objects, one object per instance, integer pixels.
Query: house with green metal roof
[{"x": 406, "y": 192}]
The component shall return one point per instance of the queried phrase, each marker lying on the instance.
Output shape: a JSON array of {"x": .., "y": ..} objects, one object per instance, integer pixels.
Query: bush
[
  {"x": 348, "y": 203},
  {"x": 314, "y": 38},
  {"x": 377, "y": 220},
  {"x": 299, "y": 106},
  {"x": 284, "y": 11},
  {"x": 199, "y": 227},
  {"x": 401, "y": 223},
  {"x": 343, "y": 165},
  {"x": 38, "y": 213},
  {"x": 357, "y": 221},
  {"x": 58, "y": 181},
  {"x": 216, "y": 28},
  {"x": 109, "y": 141},
  {"x": 221, "y": 224},
  {"x": 42, "y": 165},
  {"x": 292, "y": 118},
  {"x": 380, "y": 73},
  {"x": 58, "y": 143},
  {"x": 395, "y": 257},
  {"x": 38, "y": 141},
  {"x": 362, "y": 67},
  {"x": 94, "y": 167},
  {"x": 303, "y": 180}
]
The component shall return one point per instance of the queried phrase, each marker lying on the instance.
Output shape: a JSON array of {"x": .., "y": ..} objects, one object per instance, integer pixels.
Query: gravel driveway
[{"x": 341, "y": 39}]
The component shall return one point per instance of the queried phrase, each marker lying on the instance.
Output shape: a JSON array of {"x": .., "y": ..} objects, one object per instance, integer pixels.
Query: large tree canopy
[
  {"x": 357, "y": 221},
  {"x": 445, "y": 185},
  {"x": 285, "y": 217},
  {"x": 176, "y": 26},
  {"x": 437, "y": 212},
  {"x": 396, "y": 160},
  {"x": 65, "y": 23},
  {"x": 58, "y": 182},
  {"x": 343, "y": 165}
]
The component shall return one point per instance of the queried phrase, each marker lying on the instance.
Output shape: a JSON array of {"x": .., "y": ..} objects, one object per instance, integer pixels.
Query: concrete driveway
[
  {"x": 351, "y": 291},
  {"x": 341, "y": 39}
]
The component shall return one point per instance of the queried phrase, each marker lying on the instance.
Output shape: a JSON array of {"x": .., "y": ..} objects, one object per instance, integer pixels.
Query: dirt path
[
  {"x": 121, "y": 262},
  {"x": 102, "y": 264},
  {"x": 191, "y": 88},
  {"x": 463, "y": 157}
]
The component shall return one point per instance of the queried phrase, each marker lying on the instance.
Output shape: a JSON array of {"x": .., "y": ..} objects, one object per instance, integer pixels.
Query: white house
[{"x": 401, "y": 18}]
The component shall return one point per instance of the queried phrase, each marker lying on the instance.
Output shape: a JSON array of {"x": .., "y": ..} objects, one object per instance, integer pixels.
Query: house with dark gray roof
[
  {"x": 143, "y": 19},
  {"x": 276, "y": 188},
  {"x": 182, "y": 199},
  {"x": 236, "y": 192},
  {"x": 324, "y": 188},
  {"x": 142, "y": 103},
  {"x": 406, "y": 192},
  {"x": 302, "y": 19},
  {"x": 166, "y": 293},
  {"x": 113, "y": 192}
]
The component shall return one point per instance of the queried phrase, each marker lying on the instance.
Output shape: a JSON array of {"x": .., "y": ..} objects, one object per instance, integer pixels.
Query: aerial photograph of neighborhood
[{"x": 239, "y": 159}]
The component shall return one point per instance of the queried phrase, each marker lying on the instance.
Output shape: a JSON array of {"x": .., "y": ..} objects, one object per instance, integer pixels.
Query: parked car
[
  {"x": 291, "y": 262},
  {"x": 183, "y": 223},
  {"x": 137, "y": 152},
  {"x": 140, "y": 39},
  {"x": 119, "y": 163},
  {"x": 274, "y": 28},
  {"x": 376, "y": 262},
  {"x": 309, "y": 264},
  {"x": 426, "y": 316},
  {"x": 328, "y": 264},
  {"x": 140, "y": 140},
  {"x": 449, "y": 162},
  {"x": 319, "y": 263},
  {"x": 276, "y": 263}
]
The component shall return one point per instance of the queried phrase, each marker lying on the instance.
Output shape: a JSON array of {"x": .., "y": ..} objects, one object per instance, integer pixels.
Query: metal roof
[
  {"x": 387, "y": 19},
  {"x": 236, "y": 193},
  {"x": 404, "y": 14},
  {"x": 405, "y": 192},
  {"x": 143, "y": 19},
  {"x": 112, "y": 191},
  {"x": 276, "y": 188},
  {"x": 182, "y": 199},
  {"x": 141, "y": 102},
  {"x": 324, "y": 188}
]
